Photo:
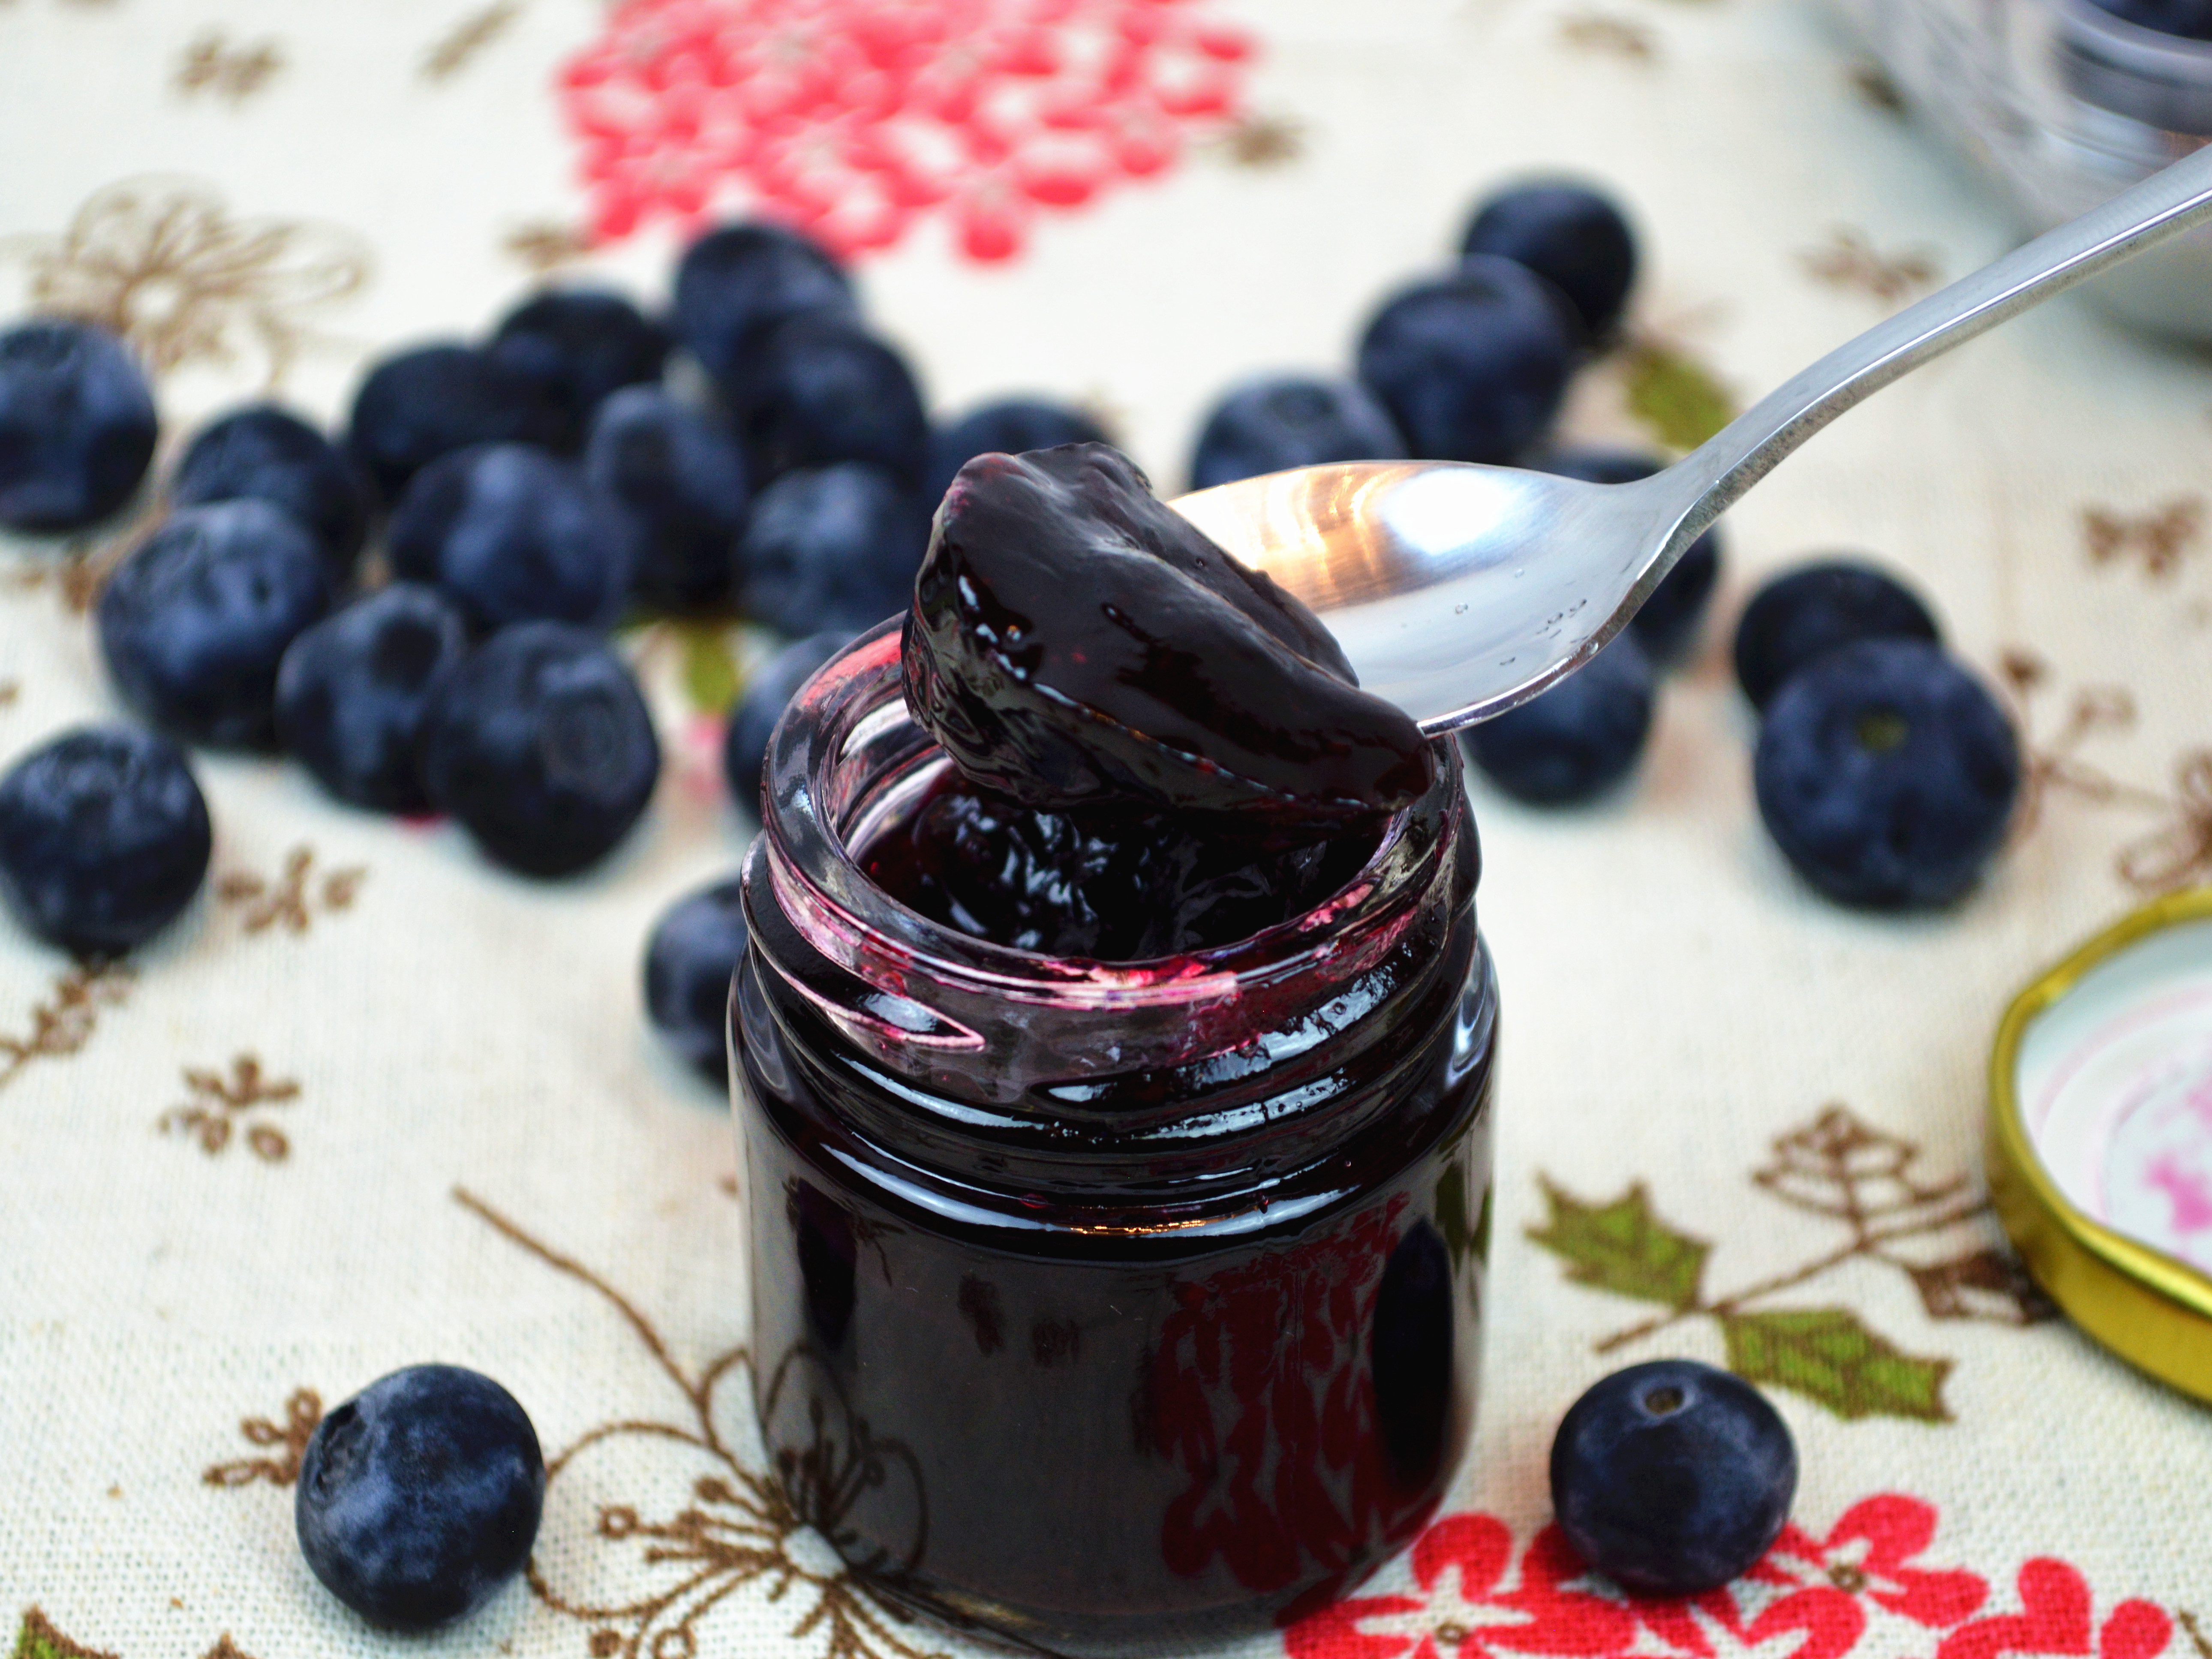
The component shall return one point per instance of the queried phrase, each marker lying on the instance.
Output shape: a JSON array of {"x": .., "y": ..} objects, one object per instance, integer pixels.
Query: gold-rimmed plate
[{"x": 2101, "y": 1136}]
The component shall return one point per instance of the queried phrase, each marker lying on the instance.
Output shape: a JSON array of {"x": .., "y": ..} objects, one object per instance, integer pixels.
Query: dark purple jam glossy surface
[
  {"x": 1107, "y": 884},
  {"x": 1075, "y": 640}
]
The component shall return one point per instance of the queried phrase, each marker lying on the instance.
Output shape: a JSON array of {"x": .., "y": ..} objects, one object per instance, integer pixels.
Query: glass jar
[
  {"x": 1110, "y": 1306},
  {"x": 2061, "y": 106}
]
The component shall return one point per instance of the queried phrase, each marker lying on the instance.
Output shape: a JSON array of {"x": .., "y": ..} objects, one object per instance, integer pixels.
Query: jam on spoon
[
  {"x": 1074, "y": 640},
  {"x": 1157, "y": 749}
]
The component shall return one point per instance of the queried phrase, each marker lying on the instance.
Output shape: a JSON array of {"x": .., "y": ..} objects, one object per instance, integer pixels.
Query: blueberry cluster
[
  {"x": 1472, "y": 365},
  {"x": 1886, "y": 771}
]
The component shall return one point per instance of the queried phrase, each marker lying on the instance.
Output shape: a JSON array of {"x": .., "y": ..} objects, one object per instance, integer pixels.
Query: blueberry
[
  {"x": 1887, "y": 774},
  {"x": 1570, "y": 235},
  {"x": 734, "y": 283},
  {"x": 677, "y": 475},
  {"x": 1272, "y": 425},
  {"x": 76, "y": 425},
  {"x": 420, "y": 405},
  {"x": 197, "y": 617},
  {"x": 689, "y": 964},
  {"x": 837, "y": 547},
  {"x": 1571, "y": 742},
  {"x": 1471, "y": 367},
  {"x": 351, "y": 691},
  {"x": 1011, "y": 426},
  {"x": 745, "y": 744},
  {"x": 539, "y": 743},
  {"x": 1800, "y": 614},
  {"x": 513, "y": 534},
  {"x": 270, "y": 454},
  {"x": 104, "y": 838},
  {"x": 1672, "y": 1478},
  {"x": 1667, "y": 624},
  {"x": 822, "y": 390},
  {"x": 420, "y": 1497},
  {"x": 582, "y": 345}
]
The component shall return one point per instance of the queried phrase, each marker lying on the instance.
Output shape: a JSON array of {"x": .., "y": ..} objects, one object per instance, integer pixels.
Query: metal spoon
[{"x": 1459, "y": 591}]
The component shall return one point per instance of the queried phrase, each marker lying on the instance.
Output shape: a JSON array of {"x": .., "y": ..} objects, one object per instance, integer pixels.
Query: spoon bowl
[{"x": 1458, "y": 592}]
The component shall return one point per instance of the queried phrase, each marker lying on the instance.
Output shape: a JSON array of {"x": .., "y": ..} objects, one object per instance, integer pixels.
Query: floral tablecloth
[{"x": 374, "y": 1102}]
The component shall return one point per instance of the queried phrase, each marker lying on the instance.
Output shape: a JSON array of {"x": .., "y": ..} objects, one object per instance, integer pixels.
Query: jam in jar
[
  {"x": 1112, "y": 1055},
  {"x": 1110, "y": 1305}
]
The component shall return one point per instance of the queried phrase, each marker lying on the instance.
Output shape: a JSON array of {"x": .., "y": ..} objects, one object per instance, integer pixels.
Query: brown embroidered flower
[
  {"x": 1850, "y": 260},
  {"x": 162, "y": 262},
  {"x": 212, "y": 63},
  {"x": 658, "y": 1526},
  {"x": 294, "y": 898},
  {"x": 2180, "y": 850},
  {"x": 302, "y": 1413},
  {"x": 65, "y": 1022},
  {"x": 220, "y": 1106},
  {"x": 2160, "y": 538}
]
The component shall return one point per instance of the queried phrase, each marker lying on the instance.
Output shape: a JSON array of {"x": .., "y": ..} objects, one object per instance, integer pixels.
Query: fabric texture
[{"x": 372, "y": 1102}]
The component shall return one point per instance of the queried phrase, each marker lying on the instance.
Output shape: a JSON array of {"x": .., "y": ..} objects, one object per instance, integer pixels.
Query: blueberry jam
[
  {"x": 1116, "y": 1120},
  {"x": 1107, "y": 884},
  {"x": 1073, "y": 640}
]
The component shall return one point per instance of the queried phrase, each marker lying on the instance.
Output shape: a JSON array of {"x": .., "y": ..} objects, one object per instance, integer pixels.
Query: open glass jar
[{"x": 1109, "y": 1305}]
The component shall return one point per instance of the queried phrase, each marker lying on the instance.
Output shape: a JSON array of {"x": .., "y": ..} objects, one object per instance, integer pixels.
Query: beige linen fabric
[{"x": 485, "y": 1158}]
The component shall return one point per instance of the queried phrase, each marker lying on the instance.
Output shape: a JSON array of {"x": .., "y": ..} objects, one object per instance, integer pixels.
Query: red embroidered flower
[
  {"x": 850, "y": 118},
  {"x": 2054, "y": 1618},
  {"x": 1811, "y": 1598},
  {"x": 1460, "y": 1565}
]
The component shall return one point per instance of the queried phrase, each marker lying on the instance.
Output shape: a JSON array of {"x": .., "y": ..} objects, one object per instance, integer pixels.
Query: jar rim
[{"x": 851, "y": 717}]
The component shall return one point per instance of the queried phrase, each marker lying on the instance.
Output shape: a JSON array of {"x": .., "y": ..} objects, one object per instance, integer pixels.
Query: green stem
[{"x": 1868, "y": 1243}]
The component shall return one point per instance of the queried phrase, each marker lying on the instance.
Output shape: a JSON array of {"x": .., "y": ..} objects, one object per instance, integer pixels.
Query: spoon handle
[{"x": 2175, "y": 199}]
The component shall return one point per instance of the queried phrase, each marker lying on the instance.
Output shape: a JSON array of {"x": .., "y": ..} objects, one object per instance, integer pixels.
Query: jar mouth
[{"x": 847, "y": 759}]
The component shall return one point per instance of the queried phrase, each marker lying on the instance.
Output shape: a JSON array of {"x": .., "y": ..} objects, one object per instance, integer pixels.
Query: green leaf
[
  {"x": 1622, "y": 1247},
  {"x": 37, "y": 1638},
  {"x": 711, "y": 678},
  {"x": 1674, "y": 395},
  {"x": 1829, "y": 1357}
]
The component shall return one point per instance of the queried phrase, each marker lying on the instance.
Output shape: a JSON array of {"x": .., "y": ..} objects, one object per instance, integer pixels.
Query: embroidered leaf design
[
  {"x": 1622, "y": 1247},
  {"x": 1674, "y": 395},
  {"x": 712, "y": 680},
  {"x": 37, "y": 1638},
  {"x": 1988, "y": 1283},
  {"x": 1828, "y": 1356}
]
